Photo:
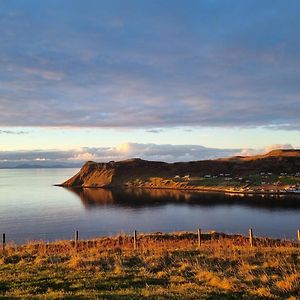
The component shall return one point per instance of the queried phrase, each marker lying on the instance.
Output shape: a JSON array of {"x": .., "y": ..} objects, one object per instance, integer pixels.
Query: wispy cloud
[
  {"x": 17, "y": 132},
  {"x": 144, "y": 64},
  {"x": 155, "y": 130},
  {"x": 45, "y": 74}
]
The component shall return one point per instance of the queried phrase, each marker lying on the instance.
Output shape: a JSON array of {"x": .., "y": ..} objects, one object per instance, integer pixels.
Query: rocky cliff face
[
  {"x": 141, "y": 173},
  {"x": 114, "y": 174}
]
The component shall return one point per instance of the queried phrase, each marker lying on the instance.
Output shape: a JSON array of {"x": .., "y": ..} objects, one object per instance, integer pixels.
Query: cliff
[{"x": 141, "y": 173}]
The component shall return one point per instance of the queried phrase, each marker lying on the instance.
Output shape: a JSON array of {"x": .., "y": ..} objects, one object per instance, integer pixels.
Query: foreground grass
[{"x": 164, "y": 267}]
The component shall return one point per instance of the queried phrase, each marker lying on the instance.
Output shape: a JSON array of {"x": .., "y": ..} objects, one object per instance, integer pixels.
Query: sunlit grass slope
[{"x": 165, "y": 266}]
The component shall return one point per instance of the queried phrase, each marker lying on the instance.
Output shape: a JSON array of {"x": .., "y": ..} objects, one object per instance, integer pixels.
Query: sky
[{"x": 167, "y": 80}]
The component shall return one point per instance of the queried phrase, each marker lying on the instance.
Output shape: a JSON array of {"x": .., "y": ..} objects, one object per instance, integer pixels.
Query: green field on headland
[
  {"x": 164, "y": 266},
  {"x": 263, "y": 183}
]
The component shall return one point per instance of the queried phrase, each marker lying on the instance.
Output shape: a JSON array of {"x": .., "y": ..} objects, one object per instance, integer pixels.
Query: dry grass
[{"x": 165, "y": 266}]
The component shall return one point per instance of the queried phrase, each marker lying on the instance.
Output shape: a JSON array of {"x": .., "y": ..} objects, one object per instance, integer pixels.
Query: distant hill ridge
[
  {"x": 273, "y": 153},
  {"x": 135, "y": 170}
]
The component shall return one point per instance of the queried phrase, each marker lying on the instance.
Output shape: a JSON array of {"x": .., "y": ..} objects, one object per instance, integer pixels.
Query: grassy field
[{"x": 165, "y": 266}]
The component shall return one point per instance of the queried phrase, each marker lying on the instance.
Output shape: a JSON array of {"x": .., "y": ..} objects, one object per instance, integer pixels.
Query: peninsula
[{"x": 275, "y": 172}]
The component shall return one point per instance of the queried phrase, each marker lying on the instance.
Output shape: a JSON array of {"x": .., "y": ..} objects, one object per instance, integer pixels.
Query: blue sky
[{"x": 220, "y": 74}]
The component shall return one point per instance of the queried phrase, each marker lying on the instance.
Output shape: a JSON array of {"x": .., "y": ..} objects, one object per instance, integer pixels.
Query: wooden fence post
[
  {"x": 199, "y": 237},
  {"x": 298, "y": 231},
  {"x": 251, "y": 237},
  {"x": 3, "y": 242},
  {"x": 76, "y": 237},
  {"x": 134, "y": 240}
]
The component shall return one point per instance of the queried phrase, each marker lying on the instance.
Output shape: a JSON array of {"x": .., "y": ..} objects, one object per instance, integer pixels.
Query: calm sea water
[{"x": 32, "y": 208}]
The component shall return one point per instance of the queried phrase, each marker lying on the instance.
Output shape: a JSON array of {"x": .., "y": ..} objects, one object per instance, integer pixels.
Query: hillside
[{"x": 207, "y": 173}]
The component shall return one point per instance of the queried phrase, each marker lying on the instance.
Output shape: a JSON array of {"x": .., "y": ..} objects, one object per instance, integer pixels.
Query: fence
[{"x": 135, "y": 239}]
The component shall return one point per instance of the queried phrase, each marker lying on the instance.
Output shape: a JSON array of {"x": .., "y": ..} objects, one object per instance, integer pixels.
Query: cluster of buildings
[{"x": 263, "y": 182}]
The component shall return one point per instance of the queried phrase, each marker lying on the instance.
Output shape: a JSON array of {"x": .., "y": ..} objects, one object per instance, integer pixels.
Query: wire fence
[{"x": 198, "y": 238}]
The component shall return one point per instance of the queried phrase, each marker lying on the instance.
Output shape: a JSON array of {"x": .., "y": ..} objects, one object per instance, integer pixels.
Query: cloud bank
[
  {"x": 167, "y": 153},
  {"x": 151, "y": 64}
]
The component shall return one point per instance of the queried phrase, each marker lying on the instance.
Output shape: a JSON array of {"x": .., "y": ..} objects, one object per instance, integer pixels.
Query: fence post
[
  {"x": 3, "y": 242},
  {"x": 251, "y": 237},
  {"x": 298, "y": 231},
  {"x": 134, "y": 240},
  {"x": 76, "y": 237},
  {"x": 199, "y": 237}
]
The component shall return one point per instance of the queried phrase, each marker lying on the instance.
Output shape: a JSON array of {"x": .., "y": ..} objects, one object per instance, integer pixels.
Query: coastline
[
  {"x": 224, "y": 191},
  {"x": 188, "y": 189}
]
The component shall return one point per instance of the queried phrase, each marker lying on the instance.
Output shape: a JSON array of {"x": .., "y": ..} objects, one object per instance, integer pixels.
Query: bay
[{"x": 31, "y": 208}]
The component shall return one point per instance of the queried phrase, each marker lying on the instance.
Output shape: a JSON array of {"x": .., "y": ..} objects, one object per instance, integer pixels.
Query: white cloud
[
  {"x": 84, "y": 156},
  {"x": 41, "y": 159}
]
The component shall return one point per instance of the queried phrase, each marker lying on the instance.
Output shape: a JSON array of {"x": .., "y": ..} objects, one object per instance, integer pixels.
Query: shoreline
[{"x": 187, "y": 189}]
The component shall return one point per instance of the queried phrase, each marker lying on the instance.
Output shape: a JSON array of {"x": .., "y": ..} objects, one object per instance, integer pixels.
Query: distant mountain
[{"x": 141, "y": 173}]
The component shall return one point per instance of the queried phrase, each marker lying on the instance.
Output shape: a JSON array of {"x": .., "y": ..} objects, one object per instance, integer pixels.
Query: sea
[{"x": 33, "y": 208}]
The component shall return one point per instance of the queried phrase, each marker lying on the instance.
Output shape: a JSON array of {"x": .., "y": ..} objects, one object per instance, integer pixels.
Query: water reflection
[
  {"x": 32, "y": 208},
  {"x": 93, "y": 197}
]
